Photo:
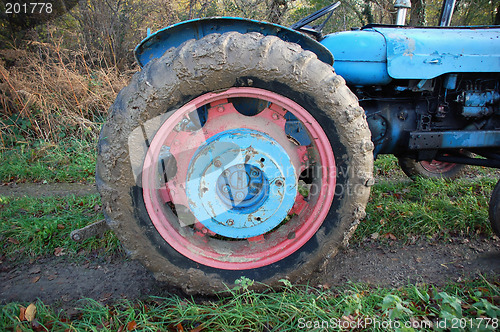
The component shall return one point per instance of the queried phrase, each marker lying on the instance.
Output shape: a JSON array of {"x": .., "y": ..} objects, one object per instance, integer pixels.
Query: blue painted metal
[
  {"x": 243, "y": 187},
  {"x": 155, "y": 45},
  {"x": 425, "y": 53},
  {"x": 295, "y": 129},
  {"x": 240, "y": 161},
  {"x": 479, "y": 103},
  {"x": 360, "y": 56},
  {"x": 455, "y": 139},
  {"x": 374, "y": 55}
]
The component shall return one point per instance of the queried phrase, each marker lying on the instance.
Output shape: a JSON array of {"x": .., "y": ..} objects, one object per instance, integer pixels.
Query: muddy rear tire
[
  {"x": 430, "y": 169},
  {"x": 245, "y": 93},
  {"x": 494, "y": 209}
]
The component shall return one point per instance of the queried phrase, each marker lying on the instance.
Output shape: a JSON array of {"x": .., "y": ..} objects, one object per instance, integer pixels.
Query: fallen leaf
[
  {"x": 179, "y": 327},
  {"x": 58, "y": 251},
  {"x": 390, "y": 236},
  {"x": 105, "y": 297},
  {"x": 60, "y": 226},
  {"x": 97, "y": 208},
  {"x": 131, "y": 325},
  {"x": 35, "y": 279},
  {"x": 22, "y": 316},
  {"x": 326, "y": 286},
  {"x": 37, "y": 327},
  {"x": 13, "y": 241},
  {"x": 374, "y": 236},
  {"x": 397, "y": 195},
  {"x": 48, "y": 325},
  {"x": 198, "y": 329},
  {"x": 52, "y": 277},
  {"x": 30, "y": 312}
]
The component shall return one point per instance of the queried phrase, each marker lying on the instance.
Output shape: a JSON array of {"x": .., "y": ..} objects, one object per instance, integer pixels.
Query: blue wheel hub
[
  {"x": 242, "y": 187},
  {"x": 241, "y": 183}
]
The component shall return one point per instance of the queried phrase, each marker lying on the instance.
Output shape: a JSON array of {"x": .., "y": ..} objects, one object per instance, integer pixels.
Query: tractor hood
[
  {"x": 376, "y": 54},
  {"x": 424, "y": 53}
]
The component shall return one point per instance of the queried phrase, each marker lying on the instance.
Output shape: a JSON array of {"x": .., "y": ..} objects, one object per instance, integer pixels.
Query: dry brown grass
[{"x": 48, "y": 92}]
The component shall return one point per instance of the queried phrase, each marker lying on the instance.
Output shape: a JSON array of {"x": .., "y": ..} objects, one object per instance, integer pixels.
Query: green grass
[
  {"x": 69, "y": 161},
  {"x": 428, "y": 208},
  {"x": 34, "y": 227},
  {"x": 387, "y": 165},
  {"x": 421, "y": 308},
  {"x": 402, "y": 210},
  {"x": 423, "y": 209}
]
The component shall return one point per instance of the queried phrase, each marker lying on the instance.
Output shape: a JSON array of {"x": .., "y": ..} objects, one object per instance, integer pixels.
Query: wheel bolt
[
  {"x": 279, "y": 183},
  {"x": 217, "y": 163},
  {"x": 230, "y": 222},
  {"x": 226, "y": 188},
  {"x": 240, "y": 196},
  {"x": 220, "y": 109},
  {"x": 276, "y": 116}
]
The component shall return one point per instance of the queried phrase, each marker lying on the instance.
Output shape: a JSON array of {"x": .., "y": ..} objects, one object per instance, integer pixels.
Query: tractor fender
[{"x": 173, "y": 36}]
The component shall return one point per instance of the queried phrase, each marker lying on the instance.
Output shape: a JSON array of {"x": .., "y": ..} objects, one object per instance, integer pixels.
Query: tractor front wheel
[{"x": 236, "y": 155}]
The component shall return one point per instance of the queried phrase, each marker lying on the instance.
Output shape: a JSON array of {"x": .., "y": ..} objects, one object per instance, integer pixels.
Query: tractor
[{"x": 245, "y": 148}]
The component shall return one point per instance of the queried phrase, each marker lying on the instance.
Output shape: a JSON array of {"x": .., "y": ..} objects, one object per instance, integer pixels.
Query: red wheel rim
[{"x": 166, "y": 199}]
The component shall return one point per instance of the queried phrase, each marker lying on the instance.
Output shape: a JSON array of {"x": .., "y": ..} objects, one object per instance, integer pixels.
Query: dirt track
[{"x": 60, "y": 280}]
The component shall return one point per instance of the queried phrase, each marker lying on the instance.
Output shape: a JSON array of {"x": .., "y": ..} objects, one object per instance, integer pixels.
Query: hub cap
[{"x": 241, "y": 184}]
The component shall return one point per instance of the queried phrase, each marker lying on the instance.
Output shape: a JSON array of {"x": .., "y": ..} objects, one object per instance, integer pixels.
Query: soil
[
  {"x": 52, "y": 189},
  {"x": 62, "y": 282}
]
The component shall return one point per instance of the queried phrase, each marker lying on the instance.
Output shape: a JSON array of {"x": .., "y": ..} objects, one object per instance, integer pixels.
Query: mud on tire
[{"x": 182, "y": 94}]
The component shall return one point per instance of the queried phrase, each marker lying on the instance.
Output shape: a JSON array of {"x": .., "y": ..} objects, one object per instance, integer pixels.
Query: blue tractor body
[
  {"x": 377, "y": 54},
  {"x": 427, "y": 92}
]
